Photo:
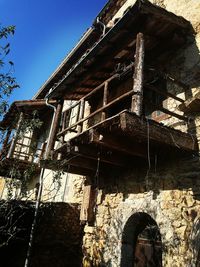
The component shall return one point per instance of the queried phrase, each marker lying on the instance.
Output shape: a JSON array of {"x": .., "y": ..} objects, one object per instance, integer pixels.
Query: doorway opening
[{"x": 141, "y": 242}]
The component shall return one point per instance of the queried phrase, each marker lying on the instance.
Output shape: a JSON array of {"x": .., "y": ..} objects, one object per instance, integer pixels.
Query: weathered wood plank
[
  {"x": 125, "y": 95},
  {"x": 15, "y": 137},
  {"x": 95, "y": 152},
  {"x": 62, "y": 165},
  {"x": 136, "y": 127},
  {"x": 137, "y": 98},
  {"x": 87, "y": 206},
  {"x": 105, "y": 100},
  {"x": 118, "y": 143},
  {"x": 81, "y": 115}
]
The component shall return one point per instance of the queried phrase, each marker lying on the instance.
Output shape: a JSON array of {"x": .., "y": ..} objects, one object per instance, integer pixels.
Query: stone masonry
[{"x": 169, "y": 191}]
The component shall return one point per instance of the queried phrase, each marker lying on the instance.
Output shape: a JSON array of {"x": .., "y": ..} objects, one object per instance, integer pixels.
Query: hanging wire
[
  {"x": 35, "y": 220},
  {"x": 172, "y": 137},
  {"x": 148, "y": 154},
  {"x": 96, "y": 177}
]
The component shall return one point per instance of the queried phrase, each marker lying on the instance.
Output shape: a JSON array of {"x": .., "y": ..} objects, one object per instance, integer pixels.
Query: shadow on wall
[
  {"x": 170, "y": 174},
  {"x": 58, "y": 237},
  {"x": 141, "y": 244},
  {"x": 185, "y": 66}
]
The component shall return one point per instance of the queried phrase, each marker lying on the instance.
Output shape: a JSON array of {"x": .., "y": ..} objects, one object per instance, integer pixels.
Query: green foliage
[
  {"x": 57, "y": 179},
  {"x": 19, "y": 180},
  {"x": 31, "y": 123},
  {"x": 12, "y": 186},
  {"x": 27, "y": 175},
  {"x": 7, "y": 81}
]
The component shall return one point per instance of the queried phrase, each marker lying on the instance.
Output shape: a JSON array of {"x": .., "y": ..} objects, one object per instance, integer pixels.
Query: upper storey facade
[{"x": 125, "y": 77}]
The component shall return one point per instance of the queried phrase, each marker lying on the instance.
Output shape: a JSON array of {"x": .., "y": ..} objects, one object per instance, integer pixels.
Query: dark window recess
[{"x": 154, "y": 100}]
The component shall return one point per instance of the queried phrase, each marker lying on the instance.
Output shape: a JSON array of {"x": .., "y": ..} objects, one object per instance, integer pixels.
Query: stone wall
[
  {"x": 171, "y": 196},
  {"x": 57, "y": 239},
  {"x": 170, "y": 191}
]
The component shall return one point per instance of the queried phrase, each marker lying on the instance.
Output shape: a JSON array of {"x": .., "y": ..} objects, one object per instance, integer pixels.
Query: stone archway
[{"x": 141, "y": 242}]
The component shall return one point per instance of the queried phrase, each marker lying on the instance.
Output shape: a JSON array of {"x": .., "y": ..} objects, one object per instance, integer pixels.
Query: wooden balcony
[
  {"x": 22, "y": 151},
  {"x": 109, "y": 128},
  {"x": 19, "y": 156},
  {"x": 16, "y": 168},
  {"x": 113, "y": 136},
  {"x": 121, "y": 141}
]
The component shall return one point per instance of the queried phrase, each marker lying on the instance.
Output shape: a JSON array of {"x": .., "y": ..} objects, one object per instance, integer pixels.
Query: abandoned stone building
[{"x": 121, "y": 119}]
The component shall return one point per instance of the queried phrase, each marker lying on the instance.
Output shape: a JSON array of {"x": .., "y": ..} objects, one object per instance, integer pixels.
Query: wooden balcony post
[
  {"x": 81, "y": 115},
  {"x": 137, "y": 98},
  {"x": 54, "y": 129},
  {"x": 15, "y": 137},
  {"x": 105, "y": 100},
  {"x": 88, "y": 202}
]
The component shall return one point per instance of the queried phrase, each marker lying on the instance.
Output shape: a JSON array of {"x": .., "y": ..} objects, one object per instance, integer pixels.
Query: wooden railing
[
  {"x": 24, "y": 152},
  {"x": 21, "y": 149},
  {"x": 77, "y": 124},
  {"x": 135, "y": 93}
]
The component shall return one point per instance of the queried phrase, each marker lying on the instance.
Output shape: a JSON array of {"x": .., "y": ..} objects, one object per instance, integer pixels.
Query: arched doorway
[{"x": 141, "y": 242}]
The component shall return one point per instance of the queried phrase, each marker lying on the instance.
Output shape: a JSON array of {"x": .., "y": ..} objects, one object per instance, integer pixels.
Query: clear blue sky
[{"x": 46, "y": 30}]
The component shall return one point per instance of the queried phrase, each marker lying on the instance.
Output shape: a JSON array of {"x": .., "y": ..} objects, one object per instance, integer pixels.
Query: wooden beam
[
  {"x": 173, "y": 114},
  {"x": 167, "y": 94},
  {"x": 97, "y": 88},
  {"x": 84, "y": 87},
  {"x": 136, "y": 127},
  {"x": 15, "y": 137},
  {"x": 79, "y": 161},
  {"x": 66, "y": 167},
  {"x": 105, "y": 100},
  {"x": 100, "y": 62},
  {"x": 117, "y": 143},
  {"x": 54, "y": 129},
  {"x": 87, "y": 166},
  {"x": 33, "y": 103},
  {"x": 98, "y": 79},
  {"x": 87, "y": 212},
  {"x": 137, "y": 99},
  {"x": 93, "y": 152},
  {"x": 81, "y": 115}
]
